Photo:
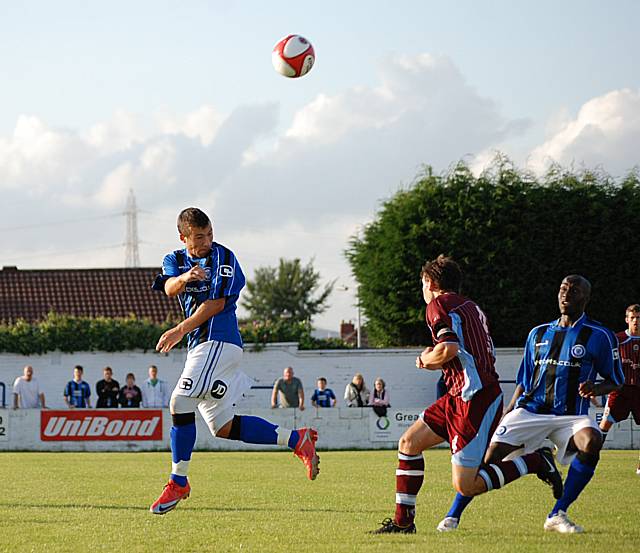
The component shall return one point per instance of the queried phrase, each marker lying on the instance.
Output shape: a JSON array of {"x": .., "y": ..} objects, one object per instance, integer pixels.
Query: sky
[{"x": 179, "y": 102}]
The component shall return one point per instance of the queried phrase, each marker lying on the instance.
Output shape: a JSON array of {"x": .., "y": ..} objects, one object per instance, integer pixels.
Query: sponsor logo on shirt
[
  {"x": 101, "y": 425},
  {"x": 225, "y": 271},
  {"x": 559, "y": 363}
]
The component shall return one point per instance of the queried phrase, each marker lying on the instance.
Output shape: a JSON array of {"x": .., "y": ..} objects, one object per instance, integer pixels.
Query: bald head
[{"x": 573, "y": 296}]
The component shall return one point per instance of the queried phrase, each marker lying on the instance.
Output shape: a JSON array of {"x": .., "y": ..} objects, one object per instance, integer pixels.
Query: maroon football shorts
[
  {"x": 623, "y": 402},
  {"x": 466, "y": 425}
]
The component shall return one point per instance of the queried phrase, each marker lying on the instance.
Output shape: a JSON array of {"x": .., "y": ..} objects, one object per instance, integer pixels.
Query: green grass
[{"x": 262, "y": 502}]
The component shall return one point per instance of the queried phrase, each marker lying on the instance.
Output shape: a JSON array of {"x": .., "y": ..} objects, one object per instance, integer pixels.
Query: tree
[
  {"x": 515, "y": 236},
  {"x": 287, "y": 291}
]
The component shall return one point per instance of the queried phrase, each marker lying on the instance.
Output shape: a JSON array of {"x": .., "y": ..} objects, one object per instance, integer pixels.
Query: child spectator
[
  {"x": 323, "y": 396},
  {"x": 130, "y": 394}
]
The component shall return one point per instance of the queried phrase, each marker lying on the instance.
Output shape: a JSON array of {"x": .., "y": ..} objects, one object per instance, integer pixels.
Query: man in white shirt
[
  {"x": 155, "y": 392},
  {"x": 26, "y": 391}
]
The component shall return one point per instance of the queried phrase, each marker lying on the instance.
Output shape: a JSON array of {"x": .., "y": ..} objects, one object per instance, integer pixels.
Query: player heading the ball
[{"x": 207, "y": 279}]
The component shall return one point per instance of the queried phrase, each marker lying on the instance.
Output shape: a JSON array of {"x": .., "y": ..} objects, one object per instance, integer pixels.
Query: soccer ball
[{"x": 293, "y": 56}]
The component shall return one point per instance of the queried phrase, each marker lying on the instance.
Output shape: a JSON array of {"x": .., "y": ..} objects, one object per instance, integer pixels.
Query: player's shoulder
[
  {"x": 541, "y": 327},
  {"x": 176, "y": 256},
  {"x": 600, "y": 331},
  {"x": 222, "y": 248},
  {"x": 622, "y": 336},
  {"x": 446, "y": 302}
]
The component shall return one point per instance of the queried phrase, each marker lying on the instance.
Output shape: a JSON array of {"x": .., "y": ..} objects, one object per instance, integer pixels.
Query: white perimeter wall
[
  {"x": 408, "y": 386},
  {"x": 411, "y": 390}
]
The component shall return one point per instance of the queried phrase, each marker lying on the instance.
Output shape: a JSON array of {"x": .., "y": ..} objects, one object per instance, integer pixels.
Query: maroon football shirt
[
  {"x": 454, "y": 318},
  {"x": 630, "y": 357}
]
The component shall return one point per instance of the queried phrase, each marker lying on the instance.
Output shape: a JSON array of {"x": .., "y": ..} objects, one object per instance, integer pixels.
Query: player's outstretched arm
[{"x": 173, "y": 336}]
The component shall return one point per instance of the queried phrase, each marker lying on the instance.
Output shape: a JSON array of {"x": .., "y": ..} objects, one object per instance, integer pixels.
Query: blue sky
[{"x": 179, "y": 101}]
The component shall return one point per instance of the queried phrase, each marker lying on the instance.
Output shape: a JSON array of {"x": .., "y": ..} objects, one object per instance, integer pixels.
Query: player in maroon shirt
[
  {"x": 468, "y": 414},
  {"x": 626, "y": 400}
]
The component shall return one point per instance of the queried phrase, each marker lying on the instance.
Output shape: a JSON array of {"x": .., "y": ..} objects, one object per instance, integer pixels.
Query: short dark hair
[
  {"x": 192, "y": 217},
  {"x": 444, "y": 272},
  {"x": 79, "y": 367},
  {"x": 323, "y": 379},
  {"x": 130, "y": 375},
  {"x": 633, "y": 308},
  {"x": 108, "y": 369}
]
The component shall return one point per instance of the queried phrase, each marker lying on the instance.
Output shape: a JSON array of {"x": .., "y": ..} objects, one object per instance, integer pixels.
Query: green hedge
[
  {"x": 515, "y": 234},
  {"x": 70, "y": 334}
]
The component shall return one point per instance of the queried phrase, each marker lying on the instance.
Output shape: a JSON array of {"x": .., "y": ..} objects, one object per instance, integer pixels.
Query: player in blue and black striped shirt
[{"x": 207, "y": 279}]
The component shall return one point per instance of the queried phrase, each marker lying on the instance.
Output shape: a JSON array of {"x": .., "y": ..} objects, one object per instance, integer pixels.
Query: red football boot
[
  {"x": 306, "y": 451},
  {"x": 170, "y": 497}
]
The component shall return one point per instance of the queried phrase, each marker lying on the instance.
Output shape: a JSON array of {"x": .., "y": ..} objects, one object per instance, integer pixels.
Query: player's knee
[
  {"x": 406, "y": 445},
  {"x": 593, "y": 444},
  {"x": 466, "y": 487}
]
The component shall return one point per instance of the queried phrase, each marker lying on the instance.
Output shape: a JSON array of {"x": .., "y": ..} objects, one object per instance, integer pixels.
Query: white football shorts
[
  {"x": 520, "y": 427},
  {"x": 212, "y": 382}
]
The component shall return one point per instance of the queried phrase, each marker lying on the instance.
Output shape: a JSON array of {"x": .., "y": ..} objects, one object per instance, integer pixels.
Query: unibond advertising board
[{"x": 101, "y": 425}]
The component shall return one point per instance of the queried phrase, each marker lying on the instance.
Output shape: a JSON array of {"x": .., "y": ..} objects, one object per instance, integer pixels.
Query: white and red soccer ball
[{"x": 293, "y": 56}]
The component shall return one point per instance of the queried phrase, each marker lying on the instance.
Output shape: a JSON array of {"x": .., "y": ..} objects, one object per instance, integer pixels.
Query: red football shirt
[
  {"x": 630, "y": 357},
  {"x": 454, "y": 318}
]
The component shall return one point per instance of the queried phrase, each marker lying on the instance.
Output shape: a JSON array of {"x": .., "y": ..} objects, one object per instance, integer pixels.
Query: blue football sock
[
  {"x": 459, "y": 504},
  {"x": 577, "y": 478},
  {"x": 254, "y": 430},
  {"x": 293, "y": 439},
  {"x": 183, "y": 438}
]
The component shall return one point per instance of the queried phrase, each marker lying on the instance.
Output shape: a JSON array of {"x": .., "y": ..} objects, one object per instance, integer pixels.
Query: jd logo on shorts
[
  {"x": 225, "y": 271},
  {"x": 218, "y": 389},
  {"x": 186, "y": 384}
]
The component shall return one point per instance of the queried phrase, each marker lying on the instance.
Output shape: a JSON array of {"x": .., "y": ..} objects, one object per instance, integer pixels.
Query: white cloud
[
  {"x": 298, "y": 193},
  {"x": 202, "y": 124},
  {"x": 606, "y": 132}
]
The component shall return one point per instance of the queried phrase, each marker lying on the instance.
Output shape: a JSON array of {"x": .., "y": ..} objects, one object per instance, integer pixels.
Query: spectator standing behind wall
[
  {"x": 288, "y": 391},
  {"x": 356, "y": 394},
  {"x": 155, "y": 392},
  {"x": 77, "y": 392},
  {"x": 130, "y": 394},
  {"x": 26, "y": 391},
  {"x": 379, "y": 399},
  {"x": 107, "y": 390},
  {"x": 323, "y": 396}
]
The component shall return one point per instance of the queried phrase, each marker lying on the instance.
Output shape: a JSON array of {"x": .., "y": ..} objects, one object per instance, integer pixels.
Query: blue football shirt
[
  {"x": 323, "y": 397},
  {"x": 78, "y": 393},
  {"x": 224, "y": 279},
  {"x": 558, "y": 359}
]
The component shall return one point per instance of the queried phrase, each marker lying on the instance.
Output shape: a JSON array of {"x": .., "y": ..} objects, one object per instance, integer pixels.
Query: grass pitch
[{"x": 262, "y": 502}]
